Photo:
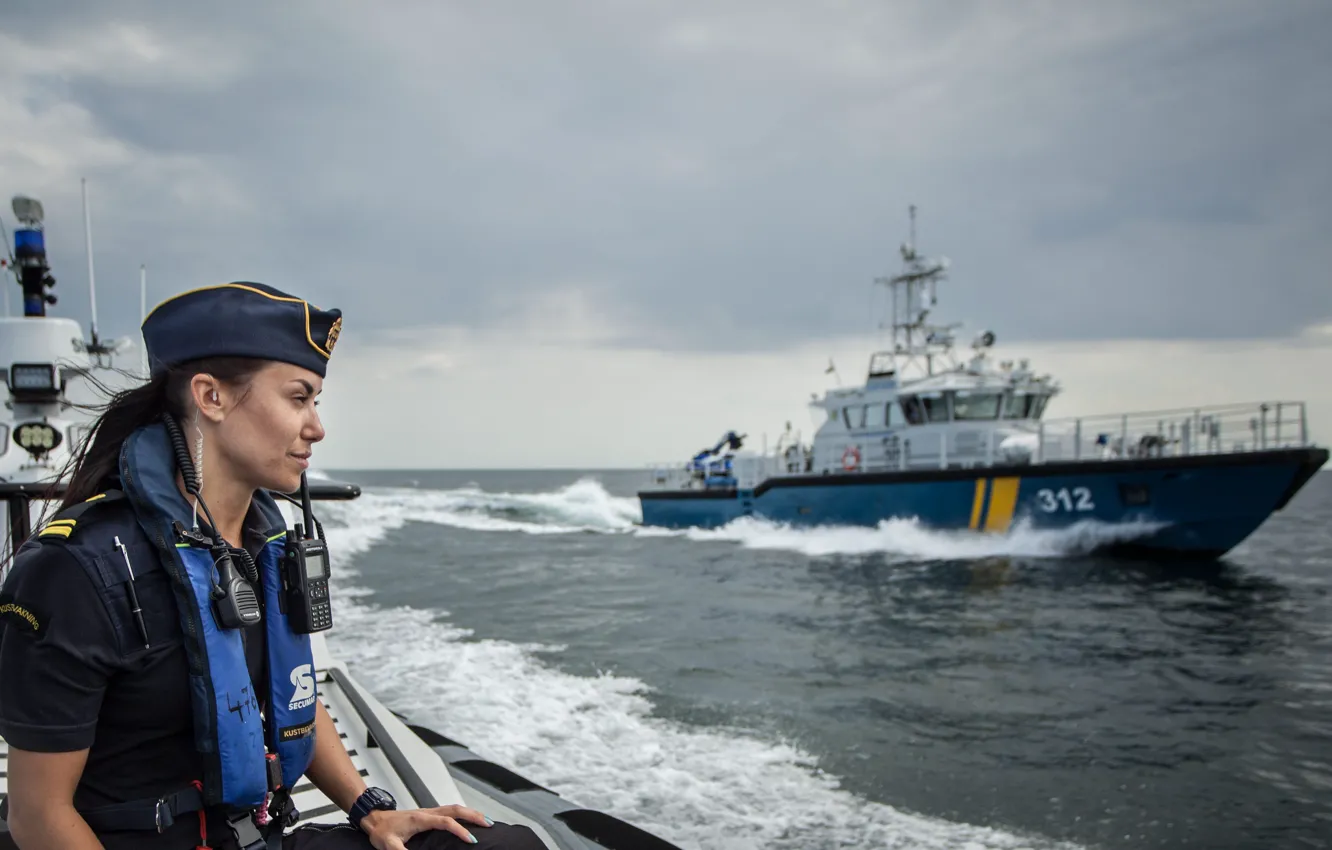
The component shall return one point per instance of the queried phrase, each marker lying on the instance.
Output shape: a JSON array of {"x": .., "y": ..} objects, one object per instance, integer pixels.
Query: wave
[
  {"x": 595, "y": 739},
  {"x": 584, "y": 506},
  {"x": 587, "y": 507},
  {"x": 907, "y": 539}
]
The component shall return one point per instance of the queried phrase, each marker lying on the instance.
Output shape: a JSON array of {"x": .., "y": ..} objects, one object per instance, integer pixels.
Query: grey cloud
[{"x": 722, "y": 176}]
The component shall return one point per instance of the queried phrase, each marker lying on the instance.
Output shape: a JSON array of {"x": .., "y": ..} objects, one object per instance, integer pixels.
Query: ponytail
[{"x": 98, "y": 459}]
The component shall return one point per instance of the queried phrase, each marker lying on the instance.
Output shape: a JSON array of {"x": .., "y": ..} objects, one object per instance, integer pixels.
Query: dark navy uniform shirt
[{"x": 80, "y": 678}]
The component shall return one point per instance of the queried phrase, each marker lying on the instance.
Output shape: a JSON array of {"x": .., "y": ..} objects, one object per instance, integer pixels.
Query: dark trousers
[{"x": 501, "y": 836}]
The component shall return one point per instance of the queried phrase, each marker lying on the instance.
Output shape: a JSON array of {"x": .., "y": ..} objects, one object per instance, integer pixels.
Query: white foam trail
[
  {"x": 586, "y": 507},
  {"x": 908, "y": 539},
  {"x": 595, "y": 740}
]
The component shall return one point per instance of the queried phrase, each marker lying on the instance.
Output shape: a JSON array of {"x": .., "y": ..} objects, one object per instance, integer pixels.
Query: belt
[
  {"x": 147, "y": 814},
  {"x": 155, "y": 814},
  {"x": 160, "y": 813}
]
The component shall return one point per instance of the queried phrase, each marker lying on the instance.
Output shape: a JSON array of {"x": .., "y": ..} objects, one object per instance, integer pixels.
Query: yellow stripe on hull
[
  {"x": 978, "y": 503},
  {"x": 1003, "y": 499}
]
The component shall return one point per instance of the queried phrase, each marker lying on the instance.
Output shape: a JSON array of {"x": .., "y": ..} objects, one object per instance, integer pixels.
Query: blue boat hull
[{"x": 1203, "y": 505}]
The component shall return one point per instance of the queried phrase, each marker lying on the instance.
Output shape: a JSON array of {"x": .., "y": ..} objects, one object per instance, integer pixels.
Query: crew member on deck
[{"x": 148, "y": 699}]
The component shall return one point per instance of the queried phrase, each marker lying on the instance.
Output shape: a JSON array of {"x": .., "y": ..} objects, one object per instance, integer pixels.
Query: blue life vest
[{"x": 229, "y": 731}]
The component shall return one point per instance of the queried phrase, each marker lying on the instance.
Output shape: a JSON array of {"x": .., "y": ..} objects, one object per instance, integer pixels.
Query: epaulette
[{"x": 62, "y": 524}]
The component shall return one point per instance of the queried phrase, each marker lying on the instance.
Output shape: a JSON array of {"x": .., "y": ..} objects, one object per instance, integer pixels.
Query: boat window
[
  {"x": 914, "y": 410},
  {"x": 854, "y": 416},
  {"x": 895, "y": 418},
  {"x": 1037, "y": 406},
  {"x": 874, "y": 416},
  {"x": 1015, "y": 405},
  {"x": 936, "y": 407},
  {"x": 973, "y": 406}
]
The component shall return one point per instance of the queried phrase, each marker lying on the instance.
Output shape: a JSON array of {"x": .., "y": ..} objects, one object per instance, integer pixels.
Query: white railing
[{"x": 1183, "y": 432}]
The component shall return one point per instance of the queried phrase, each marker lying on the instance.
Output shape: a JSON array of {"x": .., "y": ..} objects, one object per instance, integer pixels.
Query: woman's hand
[{"x": 389, "y": 829}]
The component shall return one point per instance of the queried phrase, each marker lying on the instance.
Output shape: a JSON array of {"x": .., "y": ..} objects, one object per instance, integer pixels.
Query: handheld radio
[
  {"x": 305, "y": 574},
  {"x": 234, "y": 599}
]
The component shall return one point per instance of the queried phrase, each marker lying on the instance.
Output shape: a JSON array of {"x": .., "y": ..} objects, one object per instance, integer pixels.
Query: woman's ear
[{"x": 209, "y": 397}]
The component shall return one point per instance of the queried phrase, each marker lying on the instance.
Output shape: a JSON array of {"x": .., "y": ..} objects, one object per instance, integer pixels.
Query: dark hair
[{"x": 98, "y": 459}]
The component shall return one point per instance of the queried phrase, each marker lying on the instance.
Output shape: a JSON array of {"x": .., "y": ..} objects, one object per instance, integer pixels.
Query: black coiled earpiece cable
[{"x": 233, "y": 597}]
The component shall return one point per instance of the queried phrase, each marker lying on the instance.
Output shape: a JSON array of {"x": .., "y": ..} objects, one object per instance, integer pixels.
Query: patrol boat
[
  {"x": 48, "y": 370},
  {"x": 962, "y": 442}
]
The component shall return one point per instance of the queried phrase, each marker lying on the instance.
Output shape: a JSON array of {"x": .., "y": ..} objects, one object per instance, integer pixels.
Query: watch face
[{"x": 380, "y": 799}]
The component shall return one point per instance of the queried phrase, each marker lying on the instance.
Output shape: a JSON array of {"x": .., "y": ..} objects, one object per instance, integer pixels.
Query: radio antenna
[
  {"x": 306, "y": 512},
  {"x": 92, "y": 279}
]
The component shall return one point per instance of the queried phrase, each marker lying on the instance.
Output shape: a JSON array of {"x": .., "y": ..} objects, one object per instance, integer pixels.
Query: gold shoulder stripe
[{"x": 54, "y": 530}]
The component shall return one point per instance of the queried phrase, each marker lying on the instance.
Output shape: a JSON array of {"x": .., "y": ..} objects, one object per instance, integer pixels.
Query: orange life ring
[{"x": 851, "y": 459}]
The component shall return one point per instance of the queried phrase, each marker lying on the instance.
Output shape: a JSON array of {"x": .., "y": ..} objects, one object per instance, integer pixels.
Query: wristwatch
[{"x": 371, "y": 799}]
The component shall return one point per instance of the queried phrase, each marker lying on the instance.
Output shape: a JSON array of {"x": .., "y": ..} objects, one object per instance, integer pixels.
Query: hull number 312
[{"x": 1064, "y": 499}]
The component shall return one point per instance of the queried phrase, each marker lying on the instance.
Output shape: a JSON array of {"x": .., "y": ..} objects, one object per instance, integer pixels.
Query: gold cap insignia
[{"x": 333, "y": 333}]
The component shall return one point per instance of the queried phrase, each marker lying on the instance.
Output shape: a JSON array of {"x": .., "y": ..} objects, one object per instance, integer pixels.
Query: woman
[{"x": 138, "y": 694}]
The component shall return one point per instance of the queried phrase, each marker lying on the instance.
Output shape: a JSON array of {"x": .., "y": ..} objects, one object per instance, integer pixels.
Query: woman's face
[{"x": 268, "y": 429}]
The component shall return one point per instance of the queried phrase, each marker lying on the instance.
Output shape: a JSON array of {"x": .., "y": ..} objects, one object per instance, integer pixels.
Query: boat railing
[{"x": 1179, "y": 432}]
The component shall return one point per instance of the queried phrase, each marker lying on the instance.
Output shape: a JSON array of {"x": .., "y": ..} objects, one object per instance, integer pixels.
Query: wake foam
[
  {"x": 594, "y": 740},
  {"x": 584, "y": 506},
  {"x": 907, "y": 539},
  {"x": 587, "y": 507}
]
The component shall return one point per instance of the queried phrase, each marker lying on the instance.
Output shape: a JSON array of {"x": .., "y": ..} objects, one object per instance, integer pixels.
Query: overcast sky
[{"x": 544, "y": 220}]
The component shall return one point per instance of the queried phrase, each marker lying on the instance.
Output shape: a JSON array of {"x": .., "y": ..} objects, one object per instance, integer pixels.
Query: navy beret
[{"x": 240, "y": 319}]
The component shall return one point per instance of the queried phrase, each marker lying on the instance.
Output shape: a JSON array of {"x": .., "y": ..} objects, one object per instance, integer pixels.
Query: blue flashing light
[{"x": 29, "y": 240}]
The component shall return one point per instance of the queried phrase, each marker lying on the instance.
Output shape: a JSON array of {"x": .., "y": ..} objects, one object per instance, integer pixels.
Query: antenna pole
[
  {"x": 8, "y": 266},
  {"x": 306, "y": 513},
  {"x": 92, "y": 281},
  {"x": 143, "y": 314}
]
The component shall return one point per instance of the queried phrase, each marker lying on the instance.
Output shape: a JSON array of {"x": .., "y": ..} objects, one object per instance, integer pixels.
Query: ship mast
[{"x": 916, "y": 343}]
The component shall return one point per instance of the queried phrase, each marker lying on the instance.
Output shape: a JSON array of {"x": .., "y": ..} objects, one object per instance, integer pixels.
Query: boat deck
[{"x": 1249, "y": 429}]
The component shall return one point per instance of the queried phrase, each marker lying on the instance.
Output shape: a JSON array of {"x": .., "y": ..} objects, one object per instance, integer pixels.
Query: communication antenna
[
  {"x": 101, "y": 352},
  {"x": 92, "y": 279},
  {"x": 143, "y": 315},
  {"x": 6, "y": 263}
]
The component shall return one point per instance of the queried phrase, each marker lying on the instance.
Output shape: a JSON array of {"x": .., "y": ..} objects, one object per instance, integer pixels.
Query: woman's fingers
[
  {"x": 439, "y": 821},
  {"x": 465, "y": 814}
]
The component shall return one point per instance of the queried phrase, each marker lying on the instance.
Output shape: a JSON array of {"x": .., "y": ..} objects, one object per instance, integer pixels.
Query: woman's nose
[{"x": 314, "y": 428}]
